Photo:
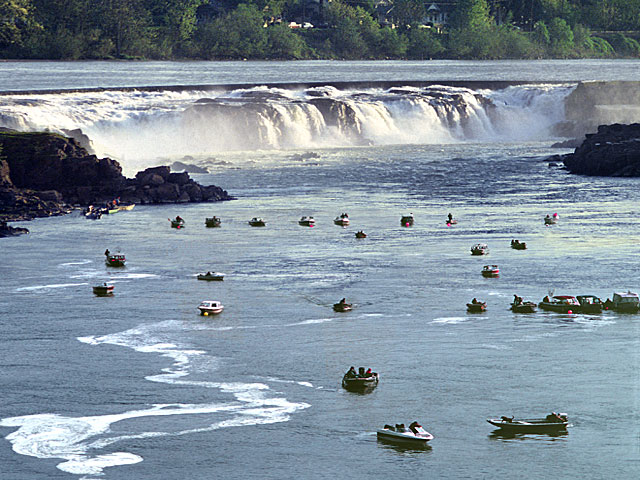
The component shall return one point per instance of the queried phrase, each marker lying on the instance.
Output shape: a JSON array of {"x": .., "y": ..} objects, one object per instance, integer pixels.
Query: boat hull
[
  {"x": 342, "y": 307},
  {"x": 210, "y": 311},
  {"x": 476, "y": 307},
  {"x": 360, "y": 385},
  {"x": 552, "y": 307},
  {"x": 527, "y": 307},
  {"x": 211, "y": 278},
  {"x": 403, "y": 437},
  {"x": 343, "y": 222},
  {"x": 528, "y": 426},
  {"x": 102, "y": 291}
]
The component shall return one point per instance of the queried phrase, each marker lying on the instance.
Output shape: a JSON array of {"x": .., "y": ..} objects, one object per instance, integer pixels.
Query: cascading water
[{"x": 143, "y": 127}]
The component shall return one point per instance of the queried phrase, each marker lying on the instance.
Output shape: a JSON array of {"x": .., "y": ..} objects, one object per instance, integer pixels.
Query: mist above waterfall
[{"x": 140, "y": 127}]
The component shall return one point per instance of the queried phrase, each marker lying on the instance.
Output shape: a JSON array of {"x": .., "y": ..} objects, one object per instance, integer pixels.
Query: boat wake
[{"x": 78, "y": 440}]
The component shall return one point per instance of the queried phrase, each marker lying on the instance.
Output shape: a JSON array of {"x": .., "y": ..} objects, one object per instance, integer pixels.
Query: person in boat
[
  {"x": 361, "y": 372},
  {"x": 368, "y": 373},
  {"x": 553, "y": 417},
  {"x": 208, "y": 274},
  {"x": 106, "y": 252},
  {"x": 517, "y": 300},
  {"x": 546, "y": 299},
  {"x": 475, "y": 301},
  {"x": 414, "y": 426},
  {"x": 343, "y": 301},
  {"x": 400, "y": 427},
  {"x": 450, "y": 217},
  {"x": 179, "y": 219},
  {"x": 351, "y": 373}
]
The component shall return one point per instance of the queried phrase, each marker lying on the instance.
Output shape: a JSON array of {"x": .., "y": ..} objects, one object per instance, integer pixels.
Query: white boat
[
  {"x": 490, "y": 271},
  {"x": 415, "y": 434},
  {"x": 551, "y": 219},
  {"x": 307, "y": 221},
  {"x": 217, "y": 276},
  {"x": 210, "y": 307},
  {"x": 342, "y": 220}
]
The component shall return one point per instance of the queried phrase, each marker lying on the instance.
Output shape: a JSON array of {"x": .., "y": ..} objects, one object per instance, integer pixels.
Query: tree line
[{"x": 342, "y": 29}]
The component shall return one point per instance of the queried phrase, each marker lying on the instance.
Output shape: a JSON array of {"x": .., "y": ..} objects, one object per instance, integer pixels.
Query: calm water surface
[{"x": 140, "y": 386}]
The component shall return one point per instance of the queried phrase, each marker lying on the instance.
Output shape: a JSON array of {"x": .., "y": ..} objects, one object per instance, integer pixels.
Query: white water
[
  {"x": 79, "y": 440},
  {"x": 144, "y": 128}
]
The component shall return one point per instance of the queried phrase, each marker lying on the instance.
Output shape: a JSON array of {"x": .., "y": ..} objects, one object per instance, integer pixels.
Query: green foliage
[
  {"x": 408, "y": 13},
  {"x": 283, "y": 43},
  {"x": 391, "y": 44},
  {"x": 423, "y": 44},
  {"x": 541, "y": 33},
  {"x": 239, "y": 34},
  {"x": 624, "y": 45},
  {"x": 471, "y": 15},
  {"x": 561, "y": 37}
]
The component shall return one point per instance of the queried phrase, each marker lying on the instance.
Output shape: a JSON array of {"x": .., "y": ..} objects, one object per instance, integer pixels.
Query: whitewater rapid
[{"x": 141, "y": 128}]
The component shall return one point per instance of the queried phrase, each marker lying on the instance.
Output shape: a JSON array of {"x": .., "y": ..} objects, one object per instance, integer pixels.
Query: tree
[
  {"x": 282, "y": 42},
  {"x": 423, "y": 44},
  {"x": 127, "y": 24},
  {"x": 541, "y": 33},
  {"x": 175, "y": 20},
  {"x": 16, "y": 18},
  {"x": 561, "y": 37},
  {"x": 408, "y": 13},
  {"x": 471, "y": 15}
]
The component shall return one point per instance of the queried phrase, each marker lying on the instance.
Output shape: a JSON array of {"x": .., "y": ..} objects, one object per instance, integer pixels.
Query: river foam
[{"x": 79, "y": 441}]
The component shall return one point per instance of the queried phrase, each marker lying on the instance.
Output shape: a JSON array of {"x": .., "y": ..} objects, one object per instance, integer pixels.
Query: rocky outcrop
[
  {"x": 7, "y": 231},
  {"x": 42, "y": 174},
  {"x": 613, "y": 151}
]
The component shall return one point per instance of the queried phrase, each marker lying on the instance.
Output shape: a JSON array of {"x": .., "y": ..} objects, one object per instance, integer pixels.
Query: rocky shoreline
[
  {"x": 46, "y": 174},
  {"x": 613, "y": 151}
]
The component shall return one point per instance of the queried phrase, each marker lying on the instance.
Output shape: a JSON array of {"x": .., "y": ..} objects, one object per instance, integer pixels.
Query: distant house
[{"x": 438, "y": 14}]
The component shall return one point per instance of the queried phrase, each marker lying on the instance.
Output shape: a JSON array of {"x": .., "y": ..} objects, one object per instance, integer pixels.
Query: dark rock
[
  {"x": 7, "y": 231},
  {"x": 178, "y": 178},
  {"x": 41, "y": 174},
  {"x": 613, "y": 151},
  {"x": 188, "y": 167}
]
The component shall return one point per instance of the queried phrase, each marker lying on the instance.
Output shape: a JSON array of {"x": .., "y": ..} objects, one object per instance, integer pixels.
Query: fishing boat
[
  {"x": 103, "y": 290},
  {"x": 307, "y": 221},
  {"x": 342, "y": 220},
  {"x": 212, "y": 222},
  {"x": 490, "y": 271},
  {"x": 407, "y": 220},
  {"x": 590, "y": 304},
  {"x": 625, "y": 302},
  {"x": 342, "y": 306},
  {"x": 114, "y": 259},
  {"x": 362, "y": 382},
  {"x": 476, "y": 307},
  {"x": 177, "y": 222},
  {"x": 560, "y": 304},
  {"x": 523, "y": 307},
  {"x": 551, "y": 219},
  {"x": 210, "y": 307},
  {"x": 480, "y": 249},
  {"x": 361, "y": 234},
  {"x": 257, "y": 222},
  {"x": 554, "y": 422},
  {"x": 414, "y": 435},
  {"x": 518, "y": 245},
  {"x": 211, "y": 276}
]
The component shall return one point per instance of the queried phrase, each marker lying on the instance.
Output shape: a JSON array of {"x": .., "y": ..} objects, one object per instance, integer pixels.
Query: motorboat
[
  {"x": 625, "y": 302},
  {"x": 212, "y": 221},
  {"x": 407, "y": 220},
  {"x": 210, "y": 307},
  {"x": 215, "y": 276},
  {"x": 554, "y": 422},
  {"x": 523, "y": 307},
  {"x": 361, "y": 234},
  {"x": 103, "y": 290},
  {"x": 257, "y": 222},
  {"x": 551, "y": 219},
  {"x": 342, "y": 306},
  {"x": 342, "y": 220},
  {"x": 480, "y": 249},
  {"x": 177, "y": 222},
  {"x": 560, "y": 304},
  {"x": 518, "y": 245},
  {"x": 476, "y": 307},
  {"x": 307, "y": 221},
  {"x": 114, "y": 259},
  {"x": 490, "y": 271},
  {"x": 590, "y": 304},
  {"x": 360, "y": 382},
  {"x": 415, "y": 434}
]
